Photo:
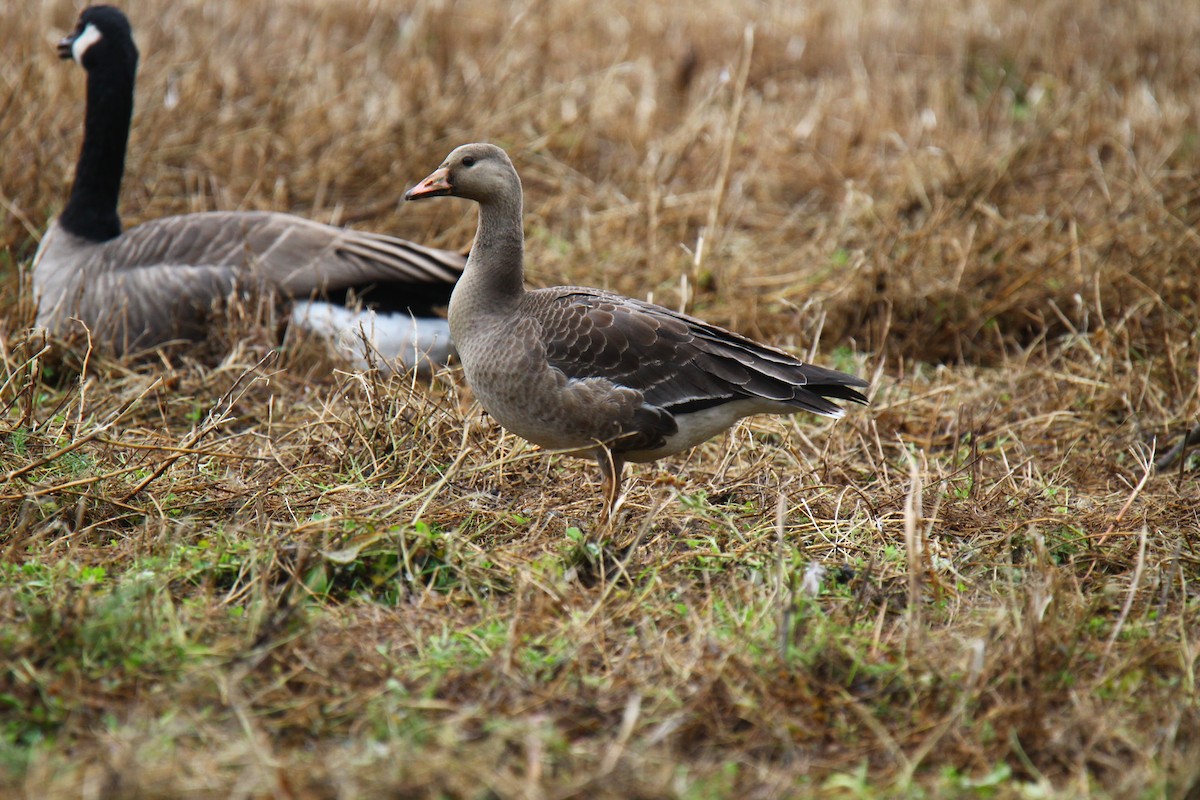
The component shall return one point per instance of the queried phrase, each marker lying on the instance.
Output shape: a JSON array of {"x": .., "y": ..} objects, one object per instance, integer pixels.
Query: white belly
[{"x": 700, "y": 426}]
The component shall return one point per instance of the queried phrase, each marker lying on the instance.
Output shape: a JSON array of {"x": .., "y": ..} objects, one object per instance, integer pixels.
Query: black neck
[{"x": 91, "y": 211}]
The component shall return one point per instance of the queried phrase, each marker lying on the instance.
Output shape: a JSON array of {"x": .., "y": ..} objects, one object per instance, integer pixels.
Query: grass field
[{"x": 246, "y": 571}]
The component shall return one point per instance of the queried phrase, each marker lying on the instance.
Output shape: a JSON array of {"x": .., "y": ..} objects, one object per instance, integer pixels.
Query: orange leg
[{"x": 611, "y": 467}]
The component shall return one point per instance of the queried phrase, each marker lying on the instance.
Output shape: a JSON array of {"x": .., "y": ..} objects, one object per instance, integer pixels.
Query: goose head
[
  {"x": 479, "y": 172},
  {"x": 102, "y": 37}
]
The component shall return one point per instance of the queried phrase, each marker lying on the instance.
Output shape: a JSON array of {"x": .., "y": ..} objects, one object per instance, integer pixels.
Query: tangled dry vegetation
[{"x": 242, "y": 570}]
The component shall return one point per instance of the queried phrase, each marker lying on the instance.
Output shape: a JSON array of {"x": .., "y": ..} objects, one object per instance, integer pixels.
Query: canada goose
[
  {"x": 161, "y": 280},
  {"x": 589, "y": 371}
]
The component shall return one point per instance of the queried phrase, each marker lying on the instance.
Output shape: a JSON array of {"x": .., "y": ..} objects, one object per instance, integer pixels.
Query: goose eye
[{"x": 469, "y": 161}]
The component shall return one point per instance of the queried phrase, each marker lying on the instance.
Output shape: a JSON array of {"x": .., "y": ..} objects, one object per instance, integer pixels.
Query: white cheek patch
[{"x": 91, "y": 34}]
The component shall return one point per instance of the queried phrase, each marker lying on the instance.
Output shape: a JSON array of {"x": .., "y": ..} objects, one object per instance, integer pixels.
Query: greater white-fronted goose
[
  {"x": 162, "y": 280},
  {"x": 595, "y": 373}
]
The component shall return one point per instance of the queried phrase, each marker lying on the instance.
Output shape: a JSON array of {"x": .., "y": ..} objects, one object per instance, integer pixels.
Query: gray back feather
[
  {"x": 160, "y": 280},
  {"x": 678, "y": 362}
]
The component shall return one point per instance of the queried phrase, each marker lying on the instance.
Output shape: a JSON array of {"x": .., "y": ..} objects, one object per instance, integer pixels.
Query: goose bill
[
  {"x": 436, "y": 185},
  {"x": 64, "y": 46}
]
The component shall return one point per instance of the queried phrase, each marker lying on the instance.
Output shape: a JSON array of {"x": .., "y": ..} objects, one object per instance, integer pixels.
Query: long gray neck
[{"x": 495, "y": 267}]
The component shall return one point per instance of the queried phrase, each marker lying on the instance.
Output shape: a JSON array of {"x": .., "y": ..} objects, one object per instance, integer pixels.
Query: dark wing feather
[
  {"x": 292, "y": 254},
  {"x": 678, "y": 362}
]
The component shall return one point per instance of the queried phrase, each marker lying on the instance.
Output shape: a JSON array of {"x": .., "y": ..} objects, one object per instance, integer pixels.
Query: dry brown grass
[{"x": 261, "y": 575}]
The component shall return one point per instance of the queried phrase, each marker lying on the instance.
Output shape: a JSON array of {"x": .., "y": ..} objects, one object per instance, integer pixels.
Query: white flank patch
[
  {"x": 91, "y": 34},
  {"x": 365, "y": 337},
  {"x": 814, "y": 573}
]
